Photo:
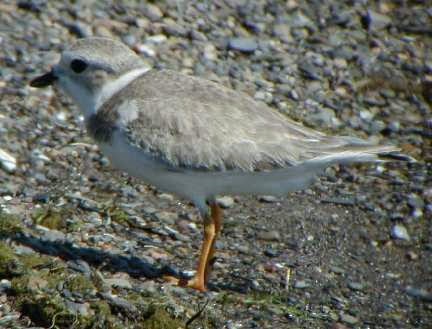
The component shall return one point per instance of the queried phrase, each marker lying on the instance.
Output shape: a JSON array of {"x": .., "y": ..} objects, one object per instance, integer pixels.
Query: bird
[{"x": 194, "y": 137}]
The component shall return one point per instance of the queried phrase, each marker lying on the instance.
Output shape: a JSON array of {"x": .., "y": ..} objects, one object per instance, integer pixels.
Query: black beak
[{"x": 44, "y": 80}]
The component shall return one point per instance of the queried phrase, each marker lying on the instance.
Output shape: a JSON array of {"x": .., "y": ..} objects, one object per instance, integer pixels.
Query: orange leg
[
  {"x": 212, "y": 227},
  {"x": 217, "y": 217}
]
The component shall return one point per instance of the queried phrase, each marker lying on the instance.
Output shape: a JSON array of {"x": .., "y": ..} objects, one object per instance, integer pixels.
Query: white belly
[{"x": 198, "y": 185}]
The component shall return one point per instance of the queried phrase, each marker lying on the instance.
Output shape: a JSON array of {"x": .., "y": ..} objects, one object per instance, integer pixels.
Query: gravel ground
[{"x": 84, "y": 246}]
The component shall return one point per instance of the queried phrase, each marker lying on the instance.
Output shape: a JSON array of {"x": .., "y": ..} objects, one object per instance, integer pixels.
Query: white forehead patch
[{"x": 128, "y": 111}]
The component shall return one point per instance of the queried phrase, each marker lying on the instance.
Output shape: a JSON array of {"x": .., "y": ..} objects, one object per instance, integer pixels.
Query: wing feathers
[{"x": 194, "y": 123}]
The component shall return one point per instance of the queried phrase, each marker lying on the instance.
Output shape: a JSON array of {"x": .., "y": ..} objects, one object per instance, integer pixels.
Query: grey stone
[
  {"x": 7, "y": 161},
  {"x": 246, "y": 45},
  {"x": 152, "y": 12},
  {"x": 415, "y": 201},
  {"x": 176, "y": 30},
  {"x": 419, "y": 293},
  {"x": 355, "y": 285},
  {"x": 119, "y": 283},
  {"x": 269, "y": 235},
  {"x": 301, "y": 284},
  {"x": 400, "y": 232},
  {"x": 375, "y": 21},
  {"x": 78, "y": 308},
  {"x": 349, "y": 319},
  {"x": 52, "y": 235},
  {"x": 301, "y": 20},
  {"x": 225, "y": 202},
  {"x": 80, "y": 265},
  {"x": 167, "y": 217},
  {"x": 268, "y": 198}
]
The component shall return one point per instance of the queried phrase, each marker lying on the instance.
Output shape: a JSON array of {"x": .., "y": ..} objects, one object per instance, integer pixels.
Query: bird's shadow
[
  {"x": 134, "y": 266},
  {"x": 107, "y": 261}
]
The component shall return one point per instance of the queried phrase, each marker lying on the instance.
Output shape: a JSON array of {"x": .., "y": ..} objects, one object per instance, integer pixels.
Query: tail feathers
[
  {"x": 299, "y": 176},
  {"x": 361, "y": 152}
]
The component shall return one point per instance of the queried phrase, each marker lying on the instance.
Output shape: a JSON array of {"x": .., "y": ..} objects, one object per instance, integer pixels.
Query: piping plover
[{"x": 193, "y": 137}]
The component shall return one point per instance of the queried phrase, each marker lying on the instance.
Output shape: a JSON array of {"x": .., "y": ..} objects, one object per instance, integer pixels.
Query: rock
[
  {"x": 7, "y": 161},
  {"x": 411, "y": 255},
  {"x": 349, "y": 319},
  {"x": 374, "y": 21},
  {"x": 400, "y": 232},
  {"x": 415, "y": 201},
  {"x": 166, "y": 196},
  {"x": 152, "y": 12},
  {"x": 356, "y": 286},
  {"x": 338, "y": 325},
  {"x": 245, "y": 45},
  {"x": 337, "y": 269},
  {"x": 166, "y": 217},
  {"x": 283, "y": 32},
  {"x": 268, "y": 198},
  {"x": 269, "y": 252},
  {"x": 5, "y": 285},
  {"x": 269, "y": 235},
  {"x": 41, "y": 197},
  {"x": 300, "y": 21},
  {"x": 301, "y": 284},
  {"x": 309, "y": 71},
  {"x": 225, "y": 202},
  {"x": 120, "y": 303},
  {"x": 80, "y": 265},
  {"x": 80, "y": 29},
  {"x": 36, "y": 283},
  {"x": 119, "y": 283},
  {"x": 175, "y": 30},
  {"x": 52, "y": 235},
  {"x": 419, "y": 293},
  {"x": 78, "y": 308},
  {"x": 32, "y": 5}
]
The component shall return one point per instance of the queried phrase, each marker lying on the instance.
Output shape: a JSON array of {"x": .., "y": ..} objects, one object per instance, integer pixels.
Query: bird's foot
[{"x": 194, "y": 283}]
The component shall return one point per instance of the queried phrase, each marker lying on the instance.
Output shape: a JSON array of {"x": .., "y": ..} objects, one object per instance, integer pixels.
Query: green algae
[
  {"x": 10, "y": 225},
  {"x": 50, "y": 218}
]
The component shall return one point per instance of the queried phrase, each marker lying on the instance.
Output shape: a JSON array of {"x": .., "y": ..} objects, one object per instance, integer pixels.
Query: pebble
[
  {"x": 120, "y": 303},
  {"x": 268, "y": 199},
  {"x": 301, "y": 284},
  {"x": 174, "y": 29},
  {"x": 146, "y": 50},
  {"x": 166, "y": 217},
  {"x": 415, "y": 201},
  {"x": 271, "y": 252},
  {"x": 375, "y": 21},
  {"x": 269, "y": 235},
  {"x": 119, "y": 283},
  {"x": 52, "y": 235},
  {"x": 7, "y": 161},
  {"x": 5, "y": 285},
  {"x": 225, "y": 202},
  {"x": 419, "y": 293},
  {"x": 337, "y": 270},
  {"x": 400, "y": 232},
  {"x": 80, "y": 265},
  {"x": 356, "y": 286},
  {"x": 78, "y": 308},
  {"x": 245, "y": 45},
  {"x": 166, "y": 196},
  {"x": 152, "y": 12},
  {"x": 347, "y": 318},
  {"x": 338, "y": 325}
]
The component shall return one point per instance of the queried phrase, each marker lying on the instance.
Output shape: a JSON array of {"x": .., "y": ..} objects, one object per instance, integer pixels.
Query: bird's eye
[{"x": 78, "y": 65}]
